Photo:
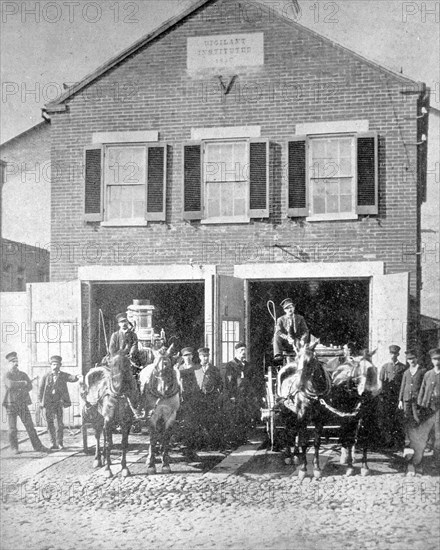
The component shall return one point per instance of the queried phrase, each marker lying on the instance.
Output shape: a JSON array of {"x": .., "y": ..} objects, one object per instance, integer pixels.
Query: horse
[
  {"x": 299, "y": 385},
  {"x": 110, "y": 394},
  {"x": 161, "y": 389},
  {"x": 352, "y": 401},
  {"x": 309, "y": 394}
]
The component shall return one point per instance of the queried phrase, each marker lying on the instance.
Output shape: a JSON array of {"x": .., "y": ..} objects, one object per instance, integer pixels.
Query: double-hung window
[
  {"x": 226, "y": 181},
  {"x": 125, "y": 183},
  {"x": 333, "y": 177}
]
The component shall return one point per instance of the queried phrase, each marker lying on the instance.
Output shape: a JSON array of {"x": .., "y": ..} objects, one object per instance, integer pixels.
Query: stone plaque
[{"x": 225, "y": 50}]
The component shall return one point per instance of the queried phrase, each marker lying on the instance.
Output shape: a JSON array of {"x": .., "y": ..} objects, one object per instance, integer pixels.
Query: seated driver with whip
[{"x": 291, "y": 331}]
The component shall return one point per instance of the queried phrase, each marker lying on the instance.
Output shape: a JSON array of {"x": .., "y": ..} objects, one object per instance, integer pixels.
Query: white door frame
[{"x": 323, "y": 270}]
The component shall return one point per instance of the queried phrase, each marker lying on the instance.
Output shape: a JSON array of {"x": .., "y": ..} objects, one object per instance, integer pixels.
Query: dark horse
[
  {"x": 310, "y": 395},
  {"x": 160, "y": 390},
  {"x": 110, "y": 395},
  {"x": 352, "y": 401}
]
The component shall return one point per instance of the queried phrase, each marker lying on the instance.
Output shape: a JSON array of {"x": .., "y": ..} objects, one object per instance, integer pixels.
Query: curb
[{"x": 235, "y": 460}]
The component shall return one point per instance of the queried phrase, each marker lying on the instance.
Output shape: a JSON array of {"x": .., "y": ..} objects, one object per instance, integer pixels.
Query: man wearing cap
[
  {"x": 241, "y": 392},
  {"x": 390, "y": 419},
  {"x": 54, "y": 396},
  {"x": 124, "y": 339},
  {"x": 210, "y": 386},
  {"x": 291, "y": 330},
  {"x": 188, "y": 410},
  {"x": 17, "y": 401},
  {"x": 429, "y": 413},
  {"x": 409, "y": 389}
]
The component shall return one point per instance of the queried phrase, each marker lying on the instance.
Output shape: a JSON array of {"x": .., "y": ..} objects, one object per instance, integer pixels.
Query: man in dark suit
[
  {"x": 390, "y": 419},
  {"x": 409, "y": 389},
  {"x": 54, "y": 396},
  {"x": 291, "y": 330},
  {"x": 429, "y": 412},
  {"x": 16, "y": 402},
  {"x": 242, "y": 389},
  {"x": 188, "y": 418},
  {"x": 210, "y": 385}
]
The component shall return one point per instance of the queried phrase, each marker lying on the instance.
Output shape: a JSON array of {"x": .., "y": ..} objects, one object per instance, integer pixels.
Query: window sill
[
  {"x": 124, "y": 223},
  {"x": 331, "y": 217},
  {"x": 213, "y": 221}
]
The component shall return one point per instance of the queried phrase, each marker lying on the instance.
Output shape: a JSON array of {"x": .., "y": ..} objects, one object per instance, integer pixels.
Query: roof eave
[{"x": 55, "y": 106}]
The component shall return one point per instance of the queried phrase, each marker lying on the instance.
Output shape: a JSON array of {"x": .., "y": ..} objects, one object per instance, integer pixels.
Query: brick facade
[{"x": 304, "y": 79}]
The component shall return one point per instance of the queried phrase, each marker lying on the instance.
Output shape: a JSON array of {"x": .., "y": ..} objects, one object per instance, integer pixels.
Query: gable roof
[{"x": 59, "y": 106}]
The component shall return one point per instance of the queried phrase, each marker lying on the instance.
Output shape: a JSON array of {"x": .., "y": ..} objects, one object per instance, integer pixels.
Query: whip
[
  {"x": 272, "y": 312},
  {"x": 101, "y": 316}
]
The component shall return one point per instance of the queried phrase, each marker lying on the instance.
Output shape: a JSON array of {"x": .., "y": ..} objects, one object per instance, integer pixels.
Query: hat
[
  {"x": 121, "y": 317},
  {"x": 187, "y": 351},
  {"x": 287, "y": 302},
  {"x": 239, "y": 345},
  {"x": 203, "y": 351},
  {"x": 435, "y": 352},
  {"x": 56, "y": 359},
  {"x": 394, "y": 349},
  {"x": 11, "y": 356},
  {"x": 410, "y": 354}
]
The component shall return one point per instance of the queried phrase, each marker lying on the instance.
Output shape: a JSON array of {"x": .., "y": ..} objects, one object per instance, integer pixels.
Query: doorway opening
[
  {"x": 179, "y": 311},
  {"x": 335, "y": 310}
]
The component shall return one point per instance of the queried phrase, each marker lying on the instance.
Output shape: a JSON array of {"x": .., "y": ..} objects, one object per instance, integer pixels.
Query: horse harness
[{"x": 315, "y": 396}]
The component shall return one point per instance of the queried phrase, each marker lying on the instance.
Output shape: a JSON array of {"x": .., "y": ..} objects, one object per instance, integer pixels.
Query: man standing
[
  {"x": 54, "y": 396},
  {"x": 429, "y": 403},
  {"x": 188, "y": 410},
  {"x": 390, "y": 420},
  {"x": 16, "y": 402},
  {"x": 241, "y": 389},
  {"x": 210, "y": 385},
  {"x": 409, "y": 389},
  {"x": 291, "y": 330}
]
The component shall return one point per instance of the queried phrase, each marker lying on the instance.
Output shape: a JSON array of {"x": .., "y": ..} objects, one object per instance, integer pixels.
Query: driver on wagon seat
[
  {"x": 124, "y": 339},
  {"x": 291, "y": 330}
]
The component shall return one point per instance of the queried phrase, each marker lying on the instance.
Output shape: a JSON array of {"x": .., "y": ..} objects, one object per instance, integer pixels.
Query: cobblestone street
[{"x": 248, "y": 500}]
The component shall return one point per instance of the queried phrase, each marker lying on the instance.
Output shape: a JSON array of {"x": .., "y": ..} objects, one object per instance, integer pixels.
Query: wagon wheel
[{"x": 270, "y": 415}]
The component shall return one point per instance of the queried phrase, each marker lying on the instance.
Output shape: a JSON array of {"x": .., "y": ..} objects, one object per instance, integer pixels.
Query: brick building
[{"x": 227, "y": 159}]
